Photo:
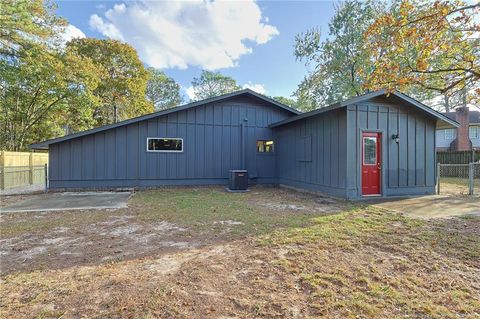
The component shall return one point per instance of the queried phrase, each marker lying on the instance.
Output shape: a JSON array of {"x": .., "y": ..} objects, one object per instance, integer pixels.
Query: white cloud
[
  {"x": 71, "y": 32},
  {"x": 168, "y": 34},
  {"x": 190, "y": 93},
  {"x": 107, "y": 29},
  {"x": 259, "y": 88}
]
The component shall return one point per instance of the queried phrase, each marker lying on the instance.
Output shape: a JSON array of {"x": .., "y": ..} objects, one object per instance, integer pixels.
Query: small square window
[
  {"x": 264, "y": 146},
  {"x": 473, "y": 132},
  {"x": 449, "y": 133},
  {"x": 162, "y": 144}
]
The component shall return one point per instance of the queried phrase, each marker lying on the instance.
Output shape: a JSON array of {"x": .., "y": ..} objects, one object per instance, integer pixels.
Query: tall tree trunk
[{"x": 446, "y": 100}]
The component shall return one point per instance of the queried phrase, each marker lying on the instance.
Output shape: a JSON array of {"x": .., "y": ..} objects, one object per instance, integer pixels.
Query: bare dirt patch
[
  {"x": 361, "y": 264},
  {"x": 116, "y": 238},
  {"x": 215, "y": 281},
  {"x": 156, "y": 222}
]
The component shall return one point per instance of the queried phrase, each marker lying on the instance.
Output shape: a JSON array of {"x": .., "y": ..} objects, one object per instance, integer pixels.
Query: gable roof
[
  {"x": 45, "y": 144},
  {"x": 365, "y": 97},
  {"x": 473, "y": 116}
]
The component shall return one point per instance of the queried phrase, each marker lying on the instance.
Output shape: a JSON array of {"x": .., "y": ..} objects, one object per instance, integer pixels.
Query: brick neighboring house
[{"x": 464, "y": 138}]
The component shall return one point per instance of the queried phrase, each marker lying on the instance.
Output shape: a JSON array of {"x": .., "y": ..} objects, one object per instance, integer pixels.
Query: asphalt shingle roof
[{"x": 473, "y": 116}]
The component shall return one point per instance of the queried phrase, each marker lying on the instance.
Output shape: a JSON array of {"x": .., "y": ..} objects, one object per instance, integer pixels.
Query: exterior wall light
[{"x": 396, "y": 138}]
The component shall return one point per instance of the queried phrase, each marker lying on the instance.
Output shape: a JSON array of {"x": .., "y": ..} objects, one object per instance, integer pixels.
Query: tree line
[
  {"x": 49, "y": 87},
  {"x": 428, "y": 49}
]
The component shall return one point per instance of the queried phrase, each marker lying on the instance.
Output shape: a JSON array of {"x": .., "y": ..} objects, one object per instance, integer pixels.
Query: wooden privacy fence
[
  {"x": 22, "y": 168},
  {"x": 458, "y": 157}
]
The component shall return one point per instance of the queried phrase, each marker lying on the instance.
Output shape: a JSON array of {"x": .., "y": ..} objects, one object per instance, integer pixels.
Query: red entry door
[{"x": 371, "y": 163}]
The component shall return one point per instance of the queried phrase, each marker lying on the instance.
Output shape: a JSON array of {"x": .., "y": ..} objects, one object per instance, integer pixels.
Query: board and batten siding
[
  {"x": 408, "y": 168},
  {"x": 311, "y": 153},
  {"x": 212, "y": 139},
  {"x": 323, "y": 152}
]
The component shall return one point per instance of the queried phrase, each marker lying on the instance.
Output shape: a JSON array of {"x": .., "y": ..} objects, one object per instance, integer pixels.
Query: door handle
[{"x": 379, "y": 166}]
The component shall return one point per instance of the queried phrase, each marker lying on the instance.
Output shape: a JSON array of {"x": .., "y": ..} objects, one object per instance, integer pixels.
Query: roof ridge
[
  {"x": 367, "y": 96},
  {"x": 179, "y": 108}
]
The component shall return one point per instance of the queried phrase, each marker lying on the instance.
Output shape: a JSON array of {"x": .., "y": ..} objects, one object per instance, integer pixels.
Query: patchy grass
[
  {"x": 255, "y": 212},
  {"x": 196, "y": 207},
  {"x": 156, "y": 221},
  {"x": 458, "y": 186},
  {"x": 298, "y": 261},
  {"x": 460, "y": 181},
  {"x": 371, "y": 263},
  {"x": 15, "y": 224}
]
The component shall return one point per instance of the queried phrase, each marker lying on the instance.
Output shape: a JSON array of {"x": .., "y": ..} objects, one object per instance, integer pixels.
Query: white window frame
[
  {"x": 376, "y": 150},
  {"x": 165, "y": 138},
  {"x": 477, "y": 130},
  {"x": 448, "y": 137}
]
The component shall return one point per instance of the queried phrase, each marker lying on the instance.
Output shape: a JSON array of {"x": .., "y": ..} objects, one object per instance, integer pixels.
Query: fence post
[
  {"x": 438, "y": 178},
  {"x": 30, "y": 168},
  {"x": 46, "y": 178},
  {"x": 470, "y": 178},
  {"x": 2, "y": 170}
]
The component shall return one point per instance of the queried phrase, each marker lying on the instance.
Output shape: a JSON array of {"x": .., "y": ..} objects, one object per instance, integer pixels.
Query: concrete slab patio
[
  {"x": 435, "y": 206},
  {"x": 69, "y": 201}
]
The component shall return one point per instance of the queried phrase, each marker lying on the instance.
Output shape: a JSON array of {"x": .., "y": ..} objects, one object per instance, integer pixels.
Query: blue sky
[{"x": 251, "y": 41}]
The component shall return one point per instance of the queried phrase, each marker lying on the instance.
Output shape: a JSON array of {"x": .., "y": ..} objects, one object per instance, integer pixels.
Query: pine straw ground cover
[{"x": 362, "y": 263}]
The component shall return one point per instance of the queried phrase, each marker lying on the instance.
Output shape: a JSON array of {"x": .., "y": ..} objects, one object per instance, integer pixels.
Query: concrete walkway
[
  {"x": 435, "y": 206},
  {"x": 69, "y": 201}
]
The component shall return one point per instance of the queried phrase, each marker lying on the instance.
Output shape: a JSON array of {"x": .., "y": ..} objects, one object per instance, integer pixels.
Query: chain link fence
[{"x": 458, "y": 179}]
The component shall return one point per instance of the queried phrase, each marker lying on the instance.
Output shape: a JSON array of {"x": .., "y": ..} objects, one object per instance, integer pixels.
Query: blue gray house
[
  {"x": 377, "y": 144},
  {"x": 464, "y": 138}
]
